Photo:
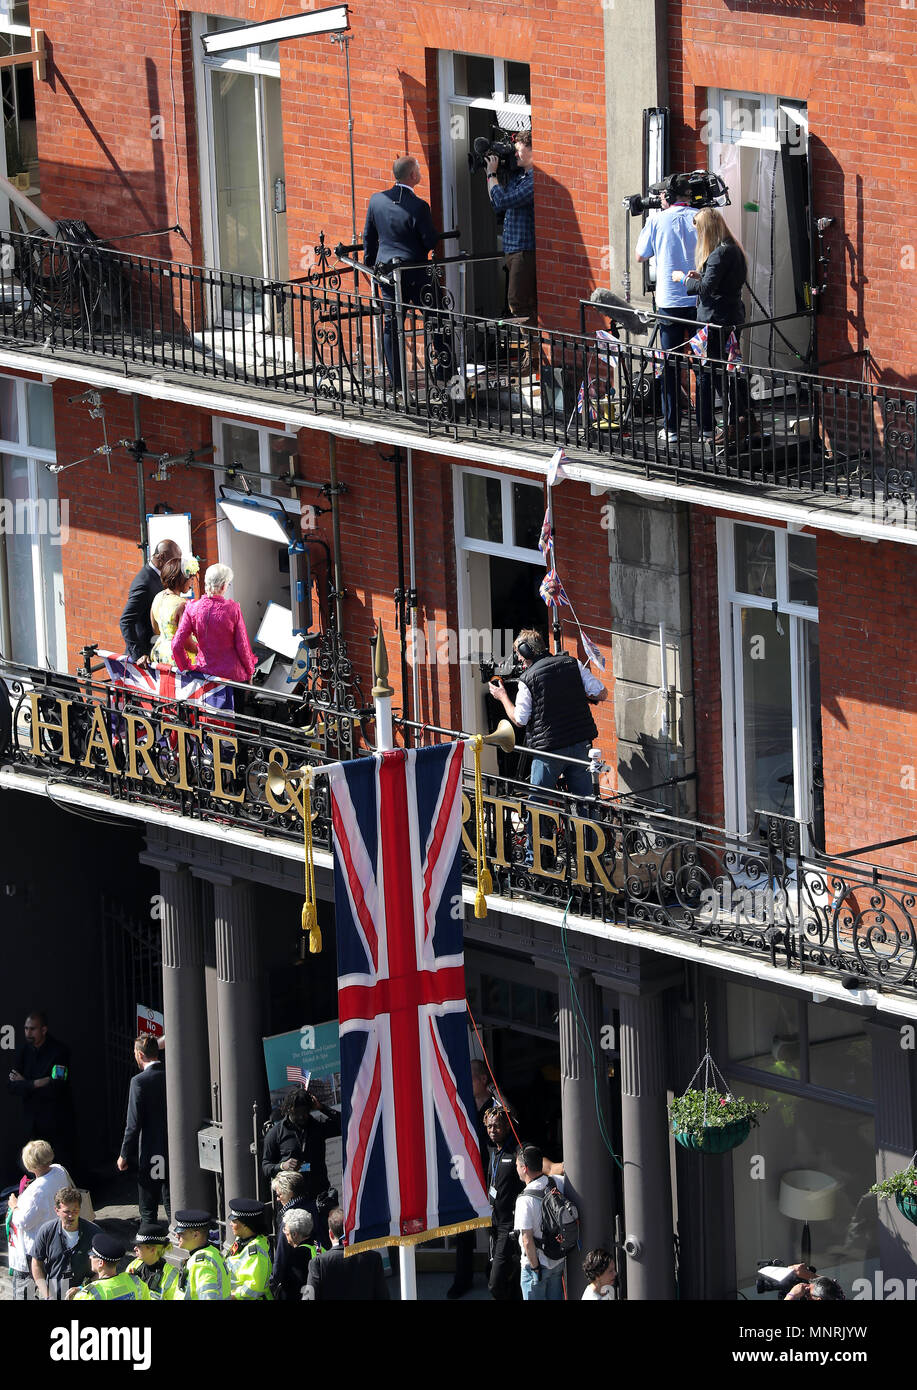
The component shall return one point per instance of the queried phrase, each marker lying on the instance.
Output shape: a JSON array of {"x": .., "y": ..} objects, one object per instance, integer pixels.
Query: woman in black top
[{"x": 717, "y": 282}]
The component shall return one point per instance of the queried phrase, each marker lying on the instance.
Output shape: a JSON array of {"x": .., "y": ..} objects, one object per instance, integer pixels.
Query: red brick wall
[
  {"x": 854, "y": 63},
  {"x": 100, "y": 163},
  {"x": 867, "y": 605}
]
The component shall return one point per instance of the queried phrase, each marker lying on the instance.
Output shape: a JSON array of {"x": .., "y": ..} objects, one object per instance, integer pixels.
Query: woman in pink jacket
[{"x": 217, "y": 623}]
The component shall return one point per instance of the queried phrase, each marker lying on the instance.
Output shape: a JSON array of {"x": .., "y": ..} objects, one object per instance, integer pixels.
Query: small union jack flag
[
  {"x": 733, "y": 354},
  {"x": 546, "y": 539},
  {"x": 552, "y": 590},
  {"x": 592, "y": 651},
  {"x": 698, "y": 344}
]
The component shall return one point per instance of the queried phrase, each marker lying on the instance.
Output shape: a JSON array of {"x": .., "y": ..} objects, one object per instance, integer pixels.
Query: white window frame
[
  {"x": 35, "y": 458},
  {"x": 448, "y": 98},
  {"x": 264, "y": 432},
  {"x": 769, "y": 136},
  {"x": 732, "y": 599},
  {"x": 254, "y": 65}
]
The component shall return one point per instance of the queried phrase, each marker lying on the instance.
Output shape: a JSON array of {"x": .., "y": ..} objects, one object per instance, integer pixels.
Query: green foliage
[
  {"x": 687, "y": 1112},
  {"x": 900, "y": 1184}
]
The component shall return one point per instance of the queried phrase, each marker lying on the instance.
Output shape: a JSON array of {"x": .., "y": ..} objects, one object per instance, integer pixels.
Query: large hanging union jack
[
  {"x": 167, "y": 683},
  {"x": 412, "y": 1167}
]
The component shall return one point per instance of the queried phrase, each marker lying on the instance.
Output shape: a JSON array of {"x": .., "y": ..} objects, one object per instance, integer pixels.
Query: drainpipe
[
  {"x": 141, "y": 480},
  {"x": 336, "y": 532},
  {"x": 412, "y": 590}
]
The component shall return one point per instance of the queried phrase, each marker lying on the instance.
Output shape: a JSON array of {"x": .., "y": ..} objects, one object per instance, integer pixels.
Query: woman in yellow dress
[{"x": 167, "y": 610}]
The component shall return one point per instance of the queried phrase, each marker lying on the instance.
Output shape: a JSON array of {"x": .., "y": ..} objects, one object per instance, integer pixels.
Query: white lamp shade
[{"x": 807, "y": 1195}]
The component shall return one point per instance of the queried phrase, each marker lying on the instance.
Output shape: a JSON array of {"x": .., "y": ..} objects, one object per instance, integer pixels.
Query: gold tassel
[
  {"x": 485, "y": 882},
  {"x": 310, "y": 907}
]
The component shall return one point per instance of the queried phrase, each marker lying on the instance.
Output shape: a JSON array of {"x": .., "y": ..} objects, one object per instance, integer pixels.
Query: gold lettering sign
[
  {"x": 39, "y": 724},
  {"x": 501, "y": 805},
  {"x": 220, "y": 766},
  {"x": 99, "y": 739},
  {"x": 143, "y": 750},
  {"x": 582, "y": 853},
  {"x": 541, "y": 841},
  {"x": 183, "y": 735}
]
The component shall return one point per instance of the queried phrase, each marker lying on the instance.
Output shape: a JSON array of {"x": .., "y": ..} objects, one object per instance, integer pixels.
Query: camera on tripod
[
  {"x": 508, "y": 670},
  {"x": 700, "y": 189},
  {"x": 504, "y": 147}
]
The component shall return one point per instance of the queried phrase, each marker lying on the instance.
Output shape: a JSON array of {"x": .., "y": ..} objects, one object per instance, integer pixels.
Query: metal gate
[{"x": 132, "y": 975}]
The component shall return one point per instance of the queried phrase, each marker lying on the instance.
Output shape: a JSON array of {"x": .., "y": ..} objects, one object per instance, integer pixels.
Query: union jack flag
[
  {"x": 411, "y": 1159},
  {"x": 167, "y": 683},
  {"x": 552, "y": 590},
  {"x": 733, "y": 354},
  {"x": 698, "y": 344}
]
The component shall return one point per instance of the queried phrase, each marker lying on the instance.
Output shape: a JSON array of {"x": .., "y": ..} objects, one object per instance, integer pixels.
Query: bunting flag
[
  {"x": 698, "y": 344},
  {"x": 546, "y": 539},
  {"x": 412, "y": 1166},
  {"x": 592, "y": 651},
  {"x": 556, "y": 473},
  {"x": 733, "y": 354},
  {"x": 552, "y": 590}
]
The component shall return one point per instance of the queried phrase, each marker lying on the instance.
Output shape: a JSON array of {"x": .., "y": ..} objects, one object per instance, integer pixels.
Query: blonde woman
[{"x": 720, "y": 274}]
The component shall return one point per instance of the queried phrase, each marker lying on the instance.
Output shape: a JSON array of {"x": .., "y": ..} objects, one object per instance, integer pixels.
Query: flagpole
[{"x": 382, "y": 699}]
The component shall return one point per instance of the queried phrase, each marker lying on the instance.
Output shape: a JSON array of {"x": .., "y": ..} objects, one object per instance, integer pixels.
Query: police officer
[
  {"x": 552, "y": 703},
  {"x": 249, "y": 1258},
  {"x": 105, "y": 1253},
  {"x": 503, "y": 1187},
  {"x": 150, "y": 1244},
  {"x": 205, "y": 1277}
]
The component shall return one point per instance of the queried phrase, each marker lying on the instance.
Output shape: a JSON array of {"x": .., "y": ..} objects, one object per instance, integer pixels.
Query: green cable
[{"x": 584, "y": 1031}]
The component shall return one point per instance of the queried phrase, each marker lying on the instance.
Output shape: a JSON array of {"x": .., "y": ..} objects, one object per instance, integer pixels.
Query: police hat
[
  {"x": 152, "y": 1233},
  {"x": 108, "y": 1248},
  {"x": 245, "y": 1209},
  {"x": 192, "y": 1219}
]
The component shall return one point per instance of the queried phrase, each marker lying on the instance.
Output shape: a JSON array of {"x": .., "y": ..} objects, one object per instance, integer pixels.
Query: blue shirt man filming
[
  {"x": 516, "y": 199},
  {"x": 670, "y": 237}
]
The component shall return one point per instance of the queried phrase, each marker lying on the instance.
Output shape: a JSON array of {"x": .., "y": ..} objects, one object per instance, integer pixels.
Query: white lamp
[{"x": 807, "y": 1195}]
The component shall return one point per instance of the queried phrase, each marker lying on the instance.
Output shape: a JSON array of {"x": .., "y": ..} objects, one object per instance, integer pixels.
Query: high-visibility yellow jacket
[
  {"x": 119, "y": 1286},
  {"x": 161, "y": 1278},
  {"x": 205, "y": 1277},
  {"x": 249, "y": 1264}
]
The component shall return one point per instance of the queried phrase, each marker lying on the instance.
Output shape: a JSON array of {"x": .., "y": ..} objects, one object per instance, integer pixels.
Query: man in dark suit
[
  {"x": 359, "y": 1277},
  {"x": 399, "y": 227},
  {"x": 145, "y": 1136},
  {"x": 136, "y": 623},
  {"x": 40, "y": 1076}
]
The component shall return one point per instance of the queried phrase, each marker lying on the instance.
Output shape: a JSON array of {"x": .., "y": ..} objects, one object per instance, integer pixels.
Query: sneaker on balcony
[{"x": 667, "y": 437}]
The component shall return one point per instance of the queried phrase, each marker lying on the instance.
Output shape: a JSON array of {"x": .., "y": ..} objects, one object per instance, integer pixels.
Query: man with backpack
[{"x": 547, "y": 1224}]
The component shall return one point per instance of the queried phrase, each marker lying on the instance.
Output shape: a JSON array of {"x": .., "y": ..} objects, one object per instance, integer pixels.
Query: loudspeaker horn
[
  {"x": 503, "y": 737},
  {"x": 279, "y": 778}
]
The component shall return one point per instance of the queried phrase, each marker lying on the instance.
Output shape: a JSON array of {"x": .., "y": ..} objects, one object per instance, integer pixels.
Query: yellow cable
[
  {"x": 310, "y": 908},
  {"x": 484, "y": 880}
]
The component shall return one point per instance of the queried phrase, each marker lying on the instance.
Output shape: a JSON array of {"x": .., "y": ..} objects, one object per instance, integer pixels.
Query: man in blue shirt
[
  {"x": 517, "y": 201},
  {"x": 669, "y": 235}
]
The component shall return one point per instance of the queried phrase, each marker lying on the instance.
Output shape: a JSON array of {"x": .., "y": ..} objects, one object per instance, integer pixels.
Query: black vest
[{"x": 560, "y": 710}]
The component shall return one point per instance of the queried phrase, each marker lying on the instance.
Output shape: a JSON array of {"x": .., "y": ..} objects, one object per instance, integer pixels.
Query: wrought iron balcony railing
[
  {"x": 607, "y": 859},
  {"x": 807, "y": 436}
]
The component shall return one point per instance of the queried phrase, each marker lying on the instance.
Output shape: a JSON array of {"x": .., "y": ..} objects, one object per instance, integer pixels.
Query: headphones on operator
[{"x": 530, "y": 651}]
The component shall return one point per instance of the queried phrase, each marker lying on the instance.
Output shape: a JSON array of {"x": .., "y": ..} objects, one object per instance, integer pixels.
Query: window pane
[
  {"x": 805, "y": 1134},
  {"x": 474, "y": 76},
  {"x": 483, "y": 507},
  {"x": 40, "y": 405},
  {"x": 17, "y": 549},
  {"x": 528, "y": 515},
  {"x": 283, "y": 449},
  {"x": 236, "y": 160},
  {"x": 840, "y": 1052},
  {"x": 241, "y": 449},
  {"x": 763, "y": 1030},
  {"x": 517, "y": 81},
  {"x": 803, "y": 570},
  {"x": 767, "y": 708},
  {"x": 756, "y": 570},
  {"x": 9, "y": 413},
  {"x": 52, "y": 571}
]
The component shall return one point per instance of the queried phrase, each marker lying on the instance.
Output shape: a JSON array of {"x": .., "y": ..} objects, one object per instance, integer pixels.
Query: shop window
[{"x": 812, "y": 1064}]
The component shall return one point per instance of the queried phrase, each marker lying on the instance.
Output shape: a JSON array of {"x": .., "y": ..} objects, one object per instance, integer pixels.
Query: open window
[
  {"x": 477, "y": 94},
  {"x": 19, "y": 148},
  {"x": 759, "y": 146}
]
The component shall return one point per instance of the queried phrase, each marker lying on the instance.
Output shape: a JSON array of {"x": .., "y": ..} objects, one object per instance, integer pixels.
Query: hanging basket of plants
[
  {"x": 710, "y": 1119},
  {"x": 903, "y": 1187}
]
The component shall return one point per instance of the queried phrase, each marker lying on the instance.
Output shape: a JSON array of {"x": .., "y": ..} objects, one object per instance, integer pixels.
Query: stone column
[
  {"x": 645, "y": 1149},
  {"x": 587, "y": 1161},
  {"x": 896, "y": 1140},
  {"x": 239, "y": 1013},
  {"x": 185, "y": 1010}
]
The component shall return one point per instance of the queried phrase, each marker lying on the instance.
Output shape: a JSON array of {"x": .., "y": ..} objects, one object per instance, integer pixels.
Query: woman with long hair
[
  {"x": 721, "y": 270},
  {"x": 166, "y": 612}
]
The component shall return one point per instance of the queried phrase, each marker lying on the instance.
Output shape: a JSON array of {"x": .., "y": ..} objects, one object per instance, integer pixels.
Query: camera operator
[
  {"x": 517, "y": 199},
  {"x": 670, "y": 236},
  {"x": 399, "y": 227},
  {"x": 812, "y": 1290},
  {"x": 553, "y": 703}
]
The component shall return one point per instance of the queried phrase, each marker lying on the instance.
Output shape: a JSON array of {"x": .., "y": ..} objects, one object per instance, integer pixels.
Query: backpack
[{"x": 559, "y": 1223}]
